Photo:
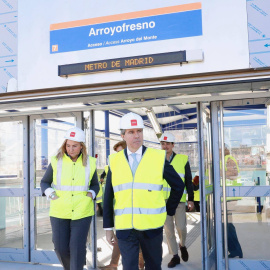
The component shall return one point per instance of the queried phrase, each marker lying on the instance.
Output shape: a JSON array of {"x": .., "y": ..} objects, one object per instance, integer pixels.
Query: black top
[
  {"x": 177, "y": 189},
  {"x": 188, "y": 180},
  {"x": 47, "y": 179},
  {"x": 102, "y": 176}
]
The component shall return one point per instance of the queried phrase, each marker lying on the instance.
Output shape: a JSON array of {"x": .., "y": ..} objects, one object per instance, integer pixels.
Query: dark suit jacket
[{"x": 177, "y": 189}]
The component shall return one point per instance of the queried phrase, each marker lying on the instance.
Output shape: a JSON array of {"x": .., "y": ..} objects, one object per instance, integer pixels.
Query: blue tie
[{"x": 134, "y": 164}]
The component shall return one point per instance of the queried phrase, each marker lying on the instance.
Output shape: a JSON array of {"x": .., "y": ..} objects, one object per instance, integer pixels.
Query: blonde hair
[{"x": 62, "y": 150}]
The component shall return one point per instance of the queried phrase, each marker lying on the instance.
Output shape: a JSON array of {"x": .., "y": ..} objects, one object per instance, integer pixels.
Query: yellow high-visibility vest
[
  {"x": 106, "y": 169},
  {"x": 71, "y": 182},
  {"x": 179, "y": 162},
  {"x": 100, "y": 194},
  {"x": 232, "y": 182},
  {"x": 139, "y": 201}
]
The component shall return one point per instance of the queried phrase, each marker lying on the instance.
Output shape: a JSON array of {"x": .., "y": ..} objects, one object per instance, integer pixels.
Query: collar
[
  {"x": 69, "y": 158},
  {"x": 138, "y": 152}
]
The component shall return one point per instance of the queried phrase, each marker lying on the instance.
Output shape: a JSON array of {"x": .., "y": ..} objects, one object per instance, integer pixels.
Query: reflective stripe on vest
[
  {"x": 139, "y": 211},
  {"x": 179, "y": 162},
  {"x": 100, "y": 194},
  {"x": 71, "y": 188},
  {"x": 139, "y": 201},
  {"x": 137, "y": 186},
  {"x": 71, "y": 182}
]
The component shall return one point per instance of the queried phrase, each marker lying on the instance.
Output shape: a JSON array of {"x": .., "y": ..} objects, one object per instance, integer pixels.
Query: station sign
[
  {"x": 123, "y": 63},
  {"x": 157, "y": 24}
]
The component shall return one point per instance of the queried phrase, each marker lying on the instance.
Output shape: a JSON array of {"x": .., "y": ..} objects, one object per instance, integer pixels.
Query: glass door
[
  {"x": 206, "y": 187},
  {"x": 14, "y": 195},
  {"x": 46, "y": 136},
  {"x": 245, "y": 155}
]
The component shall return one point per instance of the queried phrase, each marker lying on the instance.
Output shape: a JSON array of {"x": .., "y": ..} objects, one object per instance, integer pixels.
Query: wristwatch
[{"x": 52, "y": 196}]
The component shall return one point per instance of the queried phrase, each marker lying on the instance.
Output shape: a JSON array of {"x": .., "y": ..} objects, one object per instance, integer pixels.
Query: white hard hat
[
  {"x": 75, "y": 134},
  {"x": 197, "y": 173},
  {"x": 131, "y": 120},
  {"x": 167, "y": 137}
]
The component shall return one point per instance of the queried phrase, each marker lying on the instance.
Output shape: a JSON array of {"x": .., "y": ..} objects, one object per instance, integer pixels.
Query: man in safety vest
[
  {"x": 135, "y": 180},
  {"x": 181, "y": 166}
]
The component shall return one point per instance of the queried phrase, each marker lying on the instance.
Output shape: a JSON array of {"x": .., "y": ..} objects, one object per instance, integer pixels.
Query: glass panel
[
  {"x": 248, "y": 227},
  {"x": 208, "y": 178},
  {"x": 245, "y": 135},
  {"x": 11, "y": 222},
  {"x": 247, "y": 145},
  {"x": 11, "y": 154},
  {"x": 42, "y": 224},
  {"x": 52, "y": 131}
]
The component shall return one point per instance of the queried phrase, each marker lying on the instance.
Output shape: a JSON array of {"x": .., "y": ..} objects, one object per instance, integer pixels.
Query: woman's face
[{"x": 73, "y": 148}]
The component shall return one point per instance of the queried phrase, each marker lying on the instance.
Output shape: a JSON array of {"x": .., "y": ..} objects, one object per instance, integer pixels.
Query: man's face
[
  {"x": 133, "y": 138},
  {"x": 167, "y": 146}
]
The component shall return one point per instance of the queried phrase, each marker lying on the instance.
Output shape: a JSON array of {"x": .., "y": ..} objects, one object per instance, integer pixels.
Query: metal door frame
[
  {"x": 17, "y": 254},
  {"x": 236, "y": 191},
  {"x": 42, "y": 256},
  {"x": 208, "y": 260}
]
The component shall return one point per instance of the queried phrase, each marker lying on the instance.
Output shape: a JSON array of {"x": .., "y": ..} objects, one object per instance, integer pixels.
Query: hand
[
  {"x": 190, "y": 206},
  {"x": 54, "y": 196},
  {"x": 89, "y": 194},
  {"x": 110, "y": 237}
]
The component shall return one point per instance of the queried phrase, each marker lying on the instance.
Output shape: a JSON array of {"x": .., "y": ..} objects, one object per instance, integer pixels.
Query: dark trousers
[
  {"x": 234, "y": 246},
  {"x": 197, "y": 206},
  {"x": 69, "y": 238},
  {"x": 151, "y": 250}
]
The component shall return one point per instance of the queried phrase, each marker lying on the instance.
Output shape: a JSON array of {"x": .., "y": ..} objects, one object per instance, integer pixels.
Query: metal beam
[
  {"x": 178, "y": 122},
  {"x": 173, "y": 113},
  {"x": 107, "y": 132},
  {"x": 238, "y": 98}
]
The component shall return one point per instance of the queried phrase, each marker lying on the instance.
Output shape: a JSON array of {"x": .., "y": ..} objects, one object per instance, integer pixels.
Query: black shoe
[
  {"x": 184, "y": 254},
  {"x": 233, "y": 255},
  {"x": 174, "y": 261}
]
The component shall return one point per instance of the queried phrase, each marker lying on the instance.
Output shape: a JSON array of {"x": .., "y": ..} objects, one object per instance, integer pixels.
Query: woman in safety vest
[{"x": 71, "y": 183}]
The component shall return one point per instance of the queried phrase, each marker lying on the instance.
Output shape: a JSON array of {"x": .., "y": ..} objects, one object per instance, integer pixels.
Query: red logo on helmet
[
  {"x": 165, "y": 138},
  {"x": 72, "y": 134},
  {"x": 133, "y": 122}
]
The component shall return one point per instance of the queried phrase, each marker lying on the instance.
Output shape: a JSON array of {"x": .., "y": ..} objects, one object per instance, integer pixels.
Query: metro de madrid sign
[{"x": 129, "y": 28}]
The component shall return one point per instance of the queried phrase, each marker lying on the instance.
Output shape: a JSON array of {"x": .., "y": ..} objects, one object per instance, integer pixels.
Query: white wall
[
  {"x": 224, "y": 41},
  {"x": 8, "y": 42}
]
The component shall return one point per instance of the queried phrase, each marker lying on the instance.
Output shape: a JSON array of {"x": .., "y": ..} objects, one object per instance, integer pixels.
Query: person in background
[
  {"x": 232, "y": 174},
  {"x": 71, "y": 184},
  {"x": 117, "y": 147},
  {"x": 181, "y": 165},
  {"x": 196, "y": 189},
  {"x": 135, "y": 181},
  {"x": 116, "y": 251}
]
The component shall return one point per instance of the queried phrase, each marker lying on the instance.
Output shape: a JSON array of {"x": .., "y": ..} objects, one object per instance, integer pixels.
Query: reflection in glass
[
  {"x": 52, "y": 131},
  {"x": 11, "y": 155},
  {"x": 11, "y": 222},
  {"x": 251, "y": 219},
  {"x": 42, "y": 224},
  {"x": 245, "y": 135}
]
